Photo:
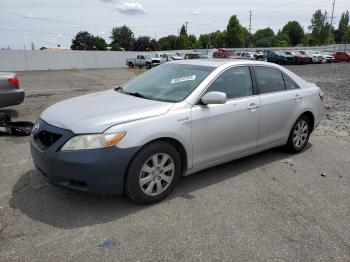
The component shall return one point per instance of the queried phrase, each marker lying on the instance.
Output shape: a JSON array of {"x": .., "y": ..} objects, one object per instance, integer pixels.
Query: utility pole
[
  {"x": 186, "y": 26},
  {"x": 330, "y": 28},
  {"x": 250, "y": 26}
]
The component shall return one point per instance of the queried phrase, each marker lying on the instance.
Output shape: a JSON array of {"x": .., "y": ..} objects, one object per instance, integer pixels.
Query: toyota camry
[{"x": 177, "y": 119}]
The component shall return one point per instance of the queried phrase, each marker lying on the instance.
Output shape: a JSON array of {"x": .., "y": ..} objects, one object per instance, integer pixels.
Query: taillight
[
  {"x": 14, "y": 81},
  {"x": 321, "y": 96}
]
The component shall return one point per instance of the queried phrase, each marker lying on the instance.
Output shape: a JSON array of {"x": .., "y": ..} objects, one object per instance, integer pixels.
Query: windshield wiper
[
  {"x": 118, "y": 89},
  {"x": 137, "y": 94}
]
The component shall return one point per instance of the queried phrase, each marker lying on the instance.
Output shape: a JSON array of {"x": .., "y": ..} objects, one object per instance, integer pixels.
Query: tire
[
  {"x": 298, "y": 139},
  {"x": 130, "y": 64},
  {"x": 158, "y": 180},
  {"x": 148, "y": 65}
]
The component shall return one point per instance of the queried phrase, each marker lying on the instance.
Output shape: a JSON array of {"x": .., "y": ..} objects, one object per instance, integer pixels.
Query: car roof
[{"x": 218, "y": 62}]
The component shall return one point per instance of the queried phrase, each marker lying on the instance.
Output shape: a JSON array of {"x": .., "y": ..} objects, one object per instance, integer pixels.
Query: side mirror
[{"x": 214, "y": 98}]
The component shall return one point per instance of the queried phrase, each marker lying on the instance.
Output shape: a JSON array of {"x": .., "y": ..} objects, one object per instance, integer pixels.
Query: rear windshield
[{"x": 168, "y": 82}]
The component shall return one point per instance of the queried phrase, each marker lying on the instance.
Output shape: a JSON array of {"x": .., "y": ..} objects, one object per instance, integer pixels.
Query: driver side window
[{"x": 234, "y": 82}]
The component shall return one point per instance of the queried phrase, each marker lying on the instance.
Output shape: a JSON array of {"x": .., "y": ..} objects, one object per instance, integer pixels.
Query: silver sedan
[
  {"x": 176, "y": 119},
  {"x": 10, "y": 92}
]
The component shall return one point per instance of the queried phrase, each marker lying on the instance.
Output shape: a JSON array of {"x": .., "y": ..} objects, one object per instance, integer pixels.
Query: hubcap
[
  {"x": 300, "y": 133},
  {"x": 156, "y": 174}
]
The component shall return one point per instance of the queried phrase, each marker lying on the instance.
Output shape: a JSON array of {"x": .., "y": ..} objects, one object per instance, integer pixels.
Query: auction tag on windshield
[{"x": 183, "y": 79}]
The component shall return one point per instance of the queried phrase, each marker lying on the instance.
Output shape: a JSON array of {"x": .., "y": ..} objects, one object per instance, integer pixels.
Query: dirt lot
[{"x": 272, "y": 206}]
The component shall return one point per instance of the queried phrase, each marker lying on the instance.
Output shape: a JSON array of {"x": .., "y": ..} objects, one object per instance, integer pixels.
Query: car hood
[{"x": 94, "y": 113}]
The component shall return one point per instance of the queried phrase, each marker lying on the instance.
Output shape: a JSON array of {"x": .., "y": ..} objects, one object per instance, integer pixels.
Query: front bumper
[{"x": 98, "y": 171}]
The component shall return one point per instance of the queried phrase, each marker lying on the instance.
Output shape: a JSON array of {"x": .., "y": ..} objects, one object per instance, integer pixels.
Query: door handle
[
  {"x": 252, "y": 106},
  {"x": 297, "y": 98}
]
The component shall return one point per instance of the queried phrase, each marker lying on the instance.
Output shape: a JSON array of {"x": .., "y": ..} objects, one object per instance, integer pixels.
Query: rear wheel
[
  {"x": 130, "y": 65},
  {"x": 299, "y": 135},
  {"x": 153, "y": 173}
]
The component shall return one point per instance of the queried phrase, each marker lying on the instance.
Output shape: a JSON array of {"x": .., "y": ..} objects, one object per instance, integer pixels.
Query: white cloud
[
  {"x": 131, "y": 8},
  {"x": 59, "y": 35},
  {"x": 28, "y": 16},
  {"x": 102, "y": 33},
  {"x": 196, "y": 12}
]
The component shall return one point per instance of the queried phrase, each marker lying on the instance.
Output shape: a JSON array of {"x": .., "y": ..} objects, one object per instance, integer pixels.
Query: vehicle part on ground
[{"x": 10, "y": 92}]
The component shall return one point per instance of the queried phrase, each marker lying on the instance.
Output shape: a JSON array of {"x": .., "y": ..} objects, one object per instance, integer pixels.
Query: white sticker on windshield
[{"x": 183, "y": 79}]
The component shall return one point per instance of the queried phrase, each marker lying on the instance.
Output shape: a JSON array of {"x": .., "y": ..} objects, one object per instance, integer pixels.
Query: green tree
[
  {"x": 142, "y": 43},
  {"x": 248, "y": 38},
  {"x": 343, "y": 26},
  {"x": 154, "y": 45},
  {"x": 122, "y": 37},
  {"x": 192, "y": 41},
  {"x": 264, "y": 37},
  {"x": 203, "y": 40},
  {"x": 320, "y": 28},
  {"x": 183, "y": 31},
  {"x": 295, "y": 32},
  {"x": 100, "y": 43},
  {"x": 167, "y": 42},
  {"x": 234, "y": 35},
  {"x": 346, "y": 37},
  {"x": 282, "y": 39},
  {"x": 83, "y": 41}
]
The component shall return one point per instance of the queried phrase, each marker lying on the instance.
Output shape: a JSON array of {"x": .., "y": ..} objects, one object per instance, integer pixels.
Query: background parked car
[
  {"x": 166, "y": 57},
  {"x": 313, "y": 57},
  {"x": 327, "y": 57},
  {"x": 244, "y": 55},
  {"x": 342, "y": 56},
  {"x": 143, "y": 60},
  {"x": 223, "y": 53},
  {"x": 278, "y": 57},
  {"x": 193, "y": 55},
  {"x": 10, "y": 92},
  {"x": 299, "y": 58}
]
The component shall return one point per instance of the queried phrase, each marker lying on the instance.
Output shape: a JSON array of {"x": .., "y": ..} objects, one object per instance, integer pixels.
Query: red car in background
[
  {"x": 342, "y": 56},
  {"x": 299, "y": 58},
  {"x": 223, "y": 53}
]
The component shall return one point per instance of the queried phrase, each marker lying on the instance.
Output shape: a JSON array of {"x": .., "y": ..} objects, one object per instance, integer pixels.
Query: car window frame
[
  {"x": 254, "y": 88},
  {"x": 282, "y": 74},
  {"x": 285, "y": 85}
]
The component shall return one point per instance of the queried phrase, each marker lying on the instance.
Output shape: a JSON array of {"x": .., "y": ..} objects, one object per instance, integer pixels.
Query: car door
[
  {"x": 222, "y": 130},
  {"x": 279, "y": 105},
  {"x": 142, "y": 60}
]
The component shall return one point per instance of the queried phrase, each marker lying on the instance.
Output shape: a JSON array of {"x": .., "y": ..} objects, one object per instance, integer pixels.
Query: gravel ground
[{"x": 272, "y": 206}]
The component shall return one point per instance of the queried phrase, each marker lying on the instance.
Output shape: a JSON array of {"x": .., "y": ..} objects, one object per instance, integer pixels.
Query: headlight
[{"x": 94, "y": 141}]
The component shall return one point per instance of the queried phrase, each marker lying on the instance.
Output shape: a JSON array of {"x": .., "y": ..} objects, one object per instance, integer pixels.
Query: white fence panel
[{"x": 27, "y": 60}]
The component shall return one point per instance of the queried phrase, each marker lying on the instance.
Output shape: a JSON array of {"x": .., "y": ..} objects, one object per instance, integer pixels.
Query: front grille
[{"x": 46, "y": 139}]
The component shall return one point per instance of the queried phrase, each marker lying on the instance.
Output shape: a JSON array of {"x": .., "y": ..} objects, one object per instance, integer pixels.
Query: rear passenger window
[
  {"x": 235, "y": 82},
  {"x": 290, "y": 84},
  {"x": 268, "y": 79}
]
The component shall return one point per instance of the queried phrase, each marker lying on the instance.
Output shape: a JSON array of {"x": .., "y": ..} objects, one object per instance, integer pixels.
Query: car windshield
[
  {"x": 168, "y": 82},
  {"x": 147, "y": 56}
]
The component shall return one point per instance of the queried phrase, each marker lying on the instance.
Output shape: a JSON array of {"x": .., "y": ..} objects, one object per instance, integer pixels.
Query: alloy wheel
[
  {"x": 156, "y": 174},
  {"x": 300, "y": 133}
]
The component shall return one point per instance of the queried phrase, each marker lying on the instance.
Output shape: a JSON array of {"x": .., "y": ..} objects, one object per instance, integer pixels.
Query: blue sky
[{"x": 48, "y": 23}]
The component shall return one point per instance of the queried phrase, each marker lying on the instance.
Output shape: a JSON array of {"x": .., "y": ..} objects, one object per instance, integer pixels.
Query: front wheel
[
  {"x": 148, "y": 65},
  {"x": 153, "y": 173},
  {"x": 299, "y": 135}
]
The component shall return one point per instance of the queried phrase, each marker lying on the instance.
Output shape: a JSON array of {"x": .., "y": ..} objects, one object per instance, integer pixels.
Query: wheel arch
[
  {"x": 311, "y": 117},
  {"x": 180, "y": 148}
]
